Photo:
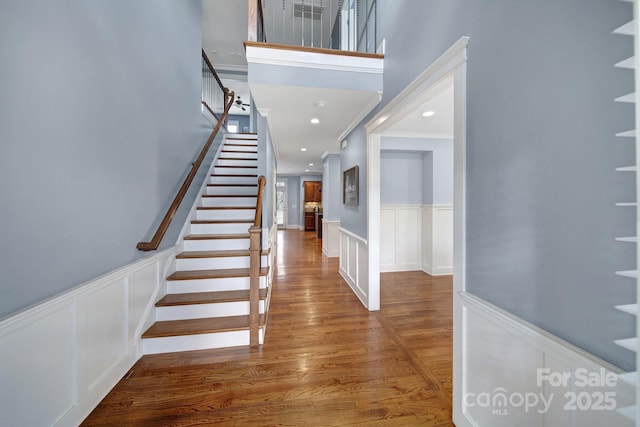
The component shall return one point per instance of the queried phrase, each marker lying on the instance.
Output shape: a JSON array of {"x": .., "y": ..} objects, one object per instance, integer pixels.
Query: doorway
[
  {"x": 281, "y": 204},
  {"x": 451, "y": 65}
]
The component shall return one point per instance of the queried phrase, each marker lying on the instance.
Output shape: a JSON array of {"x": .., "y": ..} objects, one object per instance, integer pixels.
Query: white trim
[
  {"x": 452, "y": 58},
  {"x": 453, "y": 61},
  {"x": 421, "y": 135},
  {"x": 293, "y": 58},
  {"x": 354, "y": 236}
]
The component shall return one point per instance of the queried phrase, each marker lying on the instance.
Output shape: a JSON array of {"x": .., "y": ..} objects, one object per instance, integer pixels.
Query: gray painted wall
[
  {"x": 99, "y": 121},
  {"x": 439, "y": 191},
  {"x": 541, "y": 155},
  {"x": 243, "y": 121},
  {"x": 354, "y": 218},
  {"x": 331, "y": 187},
  {"x": 401, "y": 178},
  {"x": 266, "y": 167},
  {"x": 293, "y": 201},
  {"x": 428, "y": 177}
]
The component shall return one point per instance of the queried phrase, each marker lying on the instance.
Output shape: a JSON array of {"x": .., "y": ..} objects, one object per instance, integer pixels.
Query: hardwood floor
[{"x": 327, "y": 361}]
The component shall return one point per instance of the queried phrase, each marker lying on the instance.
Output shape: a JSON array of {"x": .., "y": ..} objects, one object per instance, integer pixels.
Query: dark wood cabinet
[
  {"x": 309, "y": 221},
  {"x": 313, "y": 191}
]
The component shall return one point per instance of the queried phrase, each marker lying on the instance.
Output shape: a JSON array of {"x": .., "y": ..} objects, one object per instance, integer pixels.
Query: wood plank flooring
[{"x": 327, "y": 361}]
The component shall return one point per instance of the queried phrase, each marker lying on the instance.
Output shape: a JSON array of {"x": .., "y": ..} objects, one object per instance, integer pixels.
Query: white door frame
[{"x": 452, "y": 62}]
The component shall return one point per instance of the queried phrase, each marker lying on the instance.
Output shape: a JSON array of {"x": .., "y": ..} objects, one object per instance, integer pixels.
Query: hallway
[{"x": 326, "y": 360}]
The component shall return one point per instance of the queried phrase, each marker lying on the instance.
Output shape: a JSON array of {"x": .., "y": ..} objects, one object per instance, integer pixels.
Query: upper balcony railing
[{"x": 349, "y": 25}]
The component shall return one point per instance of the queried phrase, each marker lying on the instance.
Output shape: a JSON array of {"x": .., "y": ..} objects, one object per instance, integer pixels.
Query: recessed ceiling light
[
  {"x": 303, "y": 149},
  {"x": 320, "y": 104},
  {"x": 428, "y": 114},
  {"x": 306, "y": 170},
  {"x": 315, "y": 121},
  {"x": 310, "y": 164}
]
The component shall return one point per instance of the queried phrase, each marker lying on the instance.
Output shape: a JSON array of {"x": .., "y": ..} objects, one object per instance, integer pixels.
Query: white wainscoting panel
[
  {"x": 37, "y": 368},
  {"x": 400, "y": 241},
  {"x": 427, "y": 239},
  {"x": 437, "y": 239},
  {"x": 354, "y": 264},
  {"x": 59, "y": 358},
  {"x": 106, "y": 330},
  {"x": 330, "y": 238},
  {"x": 503, "y": 359},
  {"x": 442, "y": 243}
]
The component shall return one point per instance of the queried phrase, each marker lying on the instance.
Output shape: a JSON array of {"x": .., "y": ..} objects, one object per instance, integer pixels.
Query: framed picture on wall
[{"x": 350, "y": 187}]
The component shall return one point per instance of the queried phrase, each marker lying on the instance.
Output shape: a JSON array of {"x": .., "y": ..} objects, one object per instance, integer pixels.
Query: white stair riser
[
  {"x": 215, "y": 245},
  {"x": 200, "y": 311},
  {"x": 241, "y": 146},
  {"x": 234, "y": 171},
  {"x": 249, "y": 201},
  {"x": 183, "y": 264},
  {"x": 235, "y": 228},
  {"x": 211, "y": 285},
  {"x": 216, "y": 214},
  {"x": 244, "y": 141},
  {"x": 195, "y": 342},
  {"x": 233, "y": 179},
  {"x": 249, "y": 191},
  {"x": 243, "y": 155},
  {"x": 236, "y": 162}
]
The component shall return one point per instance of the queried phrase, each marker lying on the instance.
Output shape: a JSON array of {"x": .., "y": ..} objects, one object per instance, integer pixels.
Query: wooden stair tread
[
  {"x": 217, "y": 254},
  {"x": 238, "y": 151},
  {"x": 222, "y": 221},
  {"x": 216, "y": 236},
  {"x": 169, "y": 328},
  {"x": 238, "y": 158},
  {"x": 214, "y": 274},
  {"x": 171, "y": 300},
  {"x": 223, "y": 208}
]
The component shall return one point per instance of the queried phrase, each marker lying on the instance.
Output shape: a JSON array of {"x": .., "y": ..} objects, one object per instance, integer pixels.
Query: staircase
[{"x": 207, "y": 300}]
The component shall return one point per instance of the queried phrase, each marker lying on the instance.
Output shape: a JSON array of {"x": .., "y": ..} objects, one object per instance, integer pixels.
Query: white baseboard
[
  {"x": 399, "y": 267},
  {"x": 440, "y": 271},
  {"x": 505, "y": 356},
  {"x": 67, "y": 353}
]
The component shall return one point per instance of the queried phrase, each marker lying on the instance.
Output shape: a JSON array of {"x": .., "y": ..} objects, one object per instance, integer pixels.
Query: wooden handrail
[
  {"x": 153, "y": 244},
  {"x": 255, "y": 253}
]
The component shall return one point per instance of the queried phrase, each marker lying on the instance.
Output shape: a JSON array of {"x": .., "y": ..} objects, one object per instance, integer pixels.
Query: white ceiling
[
  {"x": 439, "y": 100},
  {"x": 289, "y": 109}
]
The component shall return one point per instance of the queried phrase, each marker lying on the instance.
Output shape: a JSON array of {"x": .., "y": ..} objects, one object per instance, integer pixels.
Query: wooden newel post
[{"x": 254, "y": 284}]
